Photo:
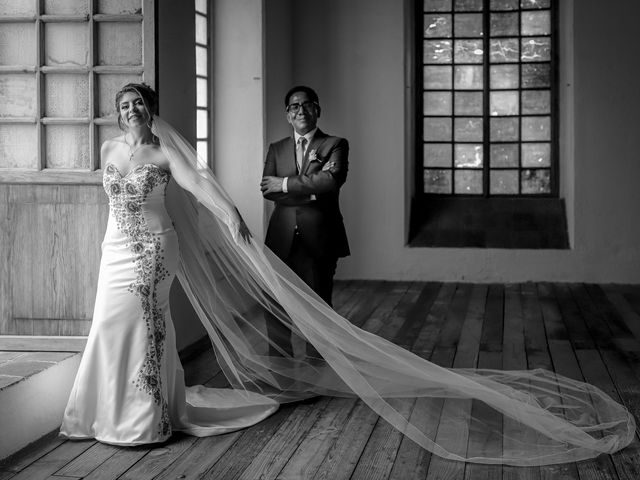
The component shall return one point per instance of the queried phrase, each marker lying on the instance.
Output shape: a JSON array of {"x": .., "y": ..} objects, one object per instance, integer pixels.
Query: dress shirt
[{"x": 296, "y": 136}]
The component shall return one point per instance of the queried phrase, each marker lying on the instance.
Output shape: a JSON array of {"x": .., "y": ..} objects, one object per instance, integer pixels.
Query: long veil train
[{"x": 236, "y": 287}]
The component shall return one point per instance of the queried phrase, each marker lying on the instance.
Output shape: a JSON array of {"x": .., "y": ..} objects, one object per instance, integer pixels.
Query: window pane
[
  {"x": 203, "y": 150},
  {"x": 16, "y": 8},
  {"x": 468, "y": 5},
  {"x": 201, "y": 29},
  {"x": 437, "y": 51},
  {"x": 504, "y": 76},
  {"x": 18, "y": 146},
  {"x": 468, "y": 25},
  {"x": 504, "y": 155},
  {"x": 504, "y": 103},
  {"x": 66, "y": 95},
  {"x": 468, "y": 78},
  {"x": 119, "y": 43},
  {"x": 504, "y": 24},
  {"x": 16, "y": 95},
  {"x": 530, "y": 4},
  {"x": 504, "y": 130},
  {"x": 67, "y": 146},
  {"x": 536, "y": 101},
  {"x": 108, "y": 86},
  {"x": 437, "y": 78},
  {"x": 504, "y": 50},
  {"x": 468, "y": 181},
  {"x": 536, "y": 128},
  {"x": 536, "y": 75},
  {"x": 66, "y": 7},
  {"x": 536, "y": 23},
  {"x": 536, "y": 155},
  {"x": 119, "y": 6},
  {"x": 437, "y": 25},
  {"x": 504, "y": 4},
  {"x": 536, "y": 49},
  {"x": 437, "y": 5},
  {"x": 503, "y": 182},
  {"x": 437, "y": 129},
  {"x": 520, "y": 108},
  {"x": 202, "y": 126},
  {"x": 469, "y": 51},
  {"x": 201, "y": 6},
  {"x": 536, "y": 181},
  {"x": 468, "y": 103},
  {"x": 437, "y": 103},
  {"x": 66, "y": 44},
  {"x": 201, "y": 61},
  {"x": 437, "y": 181},
  {"x": 201, "y": 92},
  {"x": 468, "y": 156},
  {"x": 437, "y": 155},
  {"x": 18, "y": 44},
  {"x": 468, "y": 129}
]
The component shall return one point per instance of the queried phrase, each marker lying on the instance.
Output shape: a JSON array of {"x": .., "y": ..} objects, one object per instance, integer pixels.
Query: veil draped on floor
[{"x": 236, "y": 287}]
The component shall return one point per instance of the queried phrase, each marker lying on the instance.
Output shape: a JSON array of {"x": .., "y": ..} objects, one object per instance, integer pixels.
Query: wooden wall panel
[
  {"x": 5, "y": 283},
  {"x": 49, "y": 254}
]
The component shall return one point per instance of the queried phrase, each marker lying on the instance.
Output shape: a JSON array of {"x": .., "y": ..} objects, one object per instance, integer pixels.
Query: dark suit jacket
[{"x": 319, "y": 221}]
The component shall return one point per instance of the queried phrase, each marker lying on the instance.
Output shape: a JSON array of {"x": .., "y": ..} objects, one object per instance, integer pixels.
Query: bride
[{"x": 130, "y": 390}]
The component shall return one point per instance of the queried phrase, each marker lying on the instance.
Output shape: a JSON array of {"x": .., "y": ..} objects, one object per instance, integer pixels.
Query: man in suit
[{"x": 303, "y": 174}]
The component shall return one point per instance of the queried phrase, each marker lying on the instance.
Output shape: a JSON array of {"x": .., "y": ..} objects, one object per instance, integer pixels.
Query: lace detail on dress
[{"x": 127, "y": 194}]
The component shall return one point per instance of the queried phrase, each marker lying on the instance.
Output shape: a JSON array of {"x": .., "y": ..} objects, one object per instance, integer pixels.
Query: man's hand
[
  {"x": 271, "y": 185},
  {"x": 328, "y": 166}
]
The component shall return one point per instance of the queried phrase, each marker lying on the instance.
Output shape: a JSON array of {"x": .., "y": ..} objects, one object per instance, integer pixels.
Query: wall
[
  {"x": 238, "y": 104},
  {"x": 278, "y": 72},
  {"x": 607, "y": 101},
  {"x": 177, "y": 90},
  {"x": 353, "y": 54},
  {"x": 34, "y": 407}
]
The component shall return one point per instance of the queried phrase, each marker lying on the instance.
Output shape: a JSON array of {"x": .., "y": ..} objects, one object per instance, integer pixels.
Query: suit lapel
[
  {"x": 287, "y": 158},
  {"x": 316, "y": 141},
  {"x": 292, "y": 156}
]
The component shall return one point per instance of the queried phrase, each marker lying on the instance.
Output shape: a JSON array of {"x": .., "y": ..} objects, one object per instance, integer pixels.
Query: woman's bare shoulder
[{"x": 112, "y": 143}]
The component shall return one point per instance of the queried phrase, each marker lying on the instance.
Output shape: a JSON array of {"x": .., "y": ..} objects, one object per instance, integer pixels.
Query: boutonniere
[{"x": 313, "y": 156}]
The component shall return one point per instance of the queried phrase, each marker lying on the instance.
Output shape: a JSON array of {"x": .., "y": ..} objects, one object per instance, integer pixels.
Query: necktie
[{"x": 300, "y": 152}]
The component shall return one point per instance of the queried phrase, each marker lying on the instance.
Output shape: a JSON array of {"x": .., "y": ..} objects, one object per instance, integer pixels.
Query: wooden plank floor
[{"x": 588, "y": 332}]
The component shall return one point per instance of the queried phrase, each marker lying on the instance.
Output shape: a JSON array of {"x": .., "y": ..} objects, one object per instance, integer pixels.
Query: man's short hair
[{"x": 313, "y": 96}]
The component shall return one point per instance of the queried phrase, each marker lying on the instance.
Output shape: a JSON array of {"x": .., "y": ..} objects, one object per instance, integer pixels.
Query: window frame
[
  {"x": 146, "y": 72},
  {"x": 204, "y": 13},
  {"x": 419, "y": 116}
]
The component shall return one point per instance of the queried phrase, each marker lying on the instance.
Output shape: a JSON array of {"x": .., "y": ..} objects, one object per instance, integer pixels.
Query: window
[
  {"x": 202, "y": 80},
  {"x": 487, "y": 106},
  {"x": 61, "y": 61}
]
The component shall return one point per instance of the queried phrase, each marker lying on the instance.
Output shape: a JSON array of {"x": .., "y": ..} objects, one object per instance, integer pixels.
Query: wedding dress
[{"x": 130, "y": 387}]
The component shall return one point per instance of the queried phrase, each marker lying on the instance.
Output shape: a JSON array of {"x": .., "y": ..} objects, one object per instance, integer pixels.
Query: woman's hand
[{"x": 241, "y": 227}]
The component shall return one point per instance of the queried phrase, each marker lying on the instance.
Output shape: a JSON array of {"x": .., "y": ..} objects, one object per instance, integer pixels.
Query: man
[{"x": 303, "y": 174}]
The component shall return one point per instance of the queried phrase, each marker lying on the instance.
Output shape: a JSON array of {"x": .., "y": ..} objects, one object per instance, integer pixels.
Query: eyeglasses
[{"x": 295, "y": 107}]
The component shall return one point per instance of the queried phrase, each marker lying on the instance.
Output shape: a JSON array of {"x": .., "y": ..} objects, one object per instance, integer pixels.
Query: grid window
[
  {"x": 203, "y": 110},
  {"x": 487, "y": 105},
  {"x": 61, "y": 62}
]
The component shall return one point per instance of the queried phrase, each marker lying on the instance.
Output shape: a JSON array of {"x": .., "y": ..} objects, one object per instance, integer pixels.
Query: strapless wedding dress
[{"x": 129, "y": 388}]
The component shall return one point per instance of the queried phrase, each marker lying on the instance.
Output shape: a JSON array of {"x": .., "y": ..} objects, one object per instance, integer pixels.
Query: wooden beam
[{"x": 41, "y": 343}]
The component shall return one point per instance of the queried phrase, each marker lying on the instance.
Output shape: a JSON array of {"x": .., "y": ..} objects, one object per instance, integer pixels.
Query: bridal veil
[{"x": 236, "y": 287}]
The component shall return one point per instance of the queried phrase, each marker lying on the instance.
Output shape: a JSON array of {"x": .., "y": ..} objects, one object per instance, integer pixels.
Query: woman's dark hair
[
  {"x": 313, "y": 96},
  {"x": 148, "y": 94}
]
